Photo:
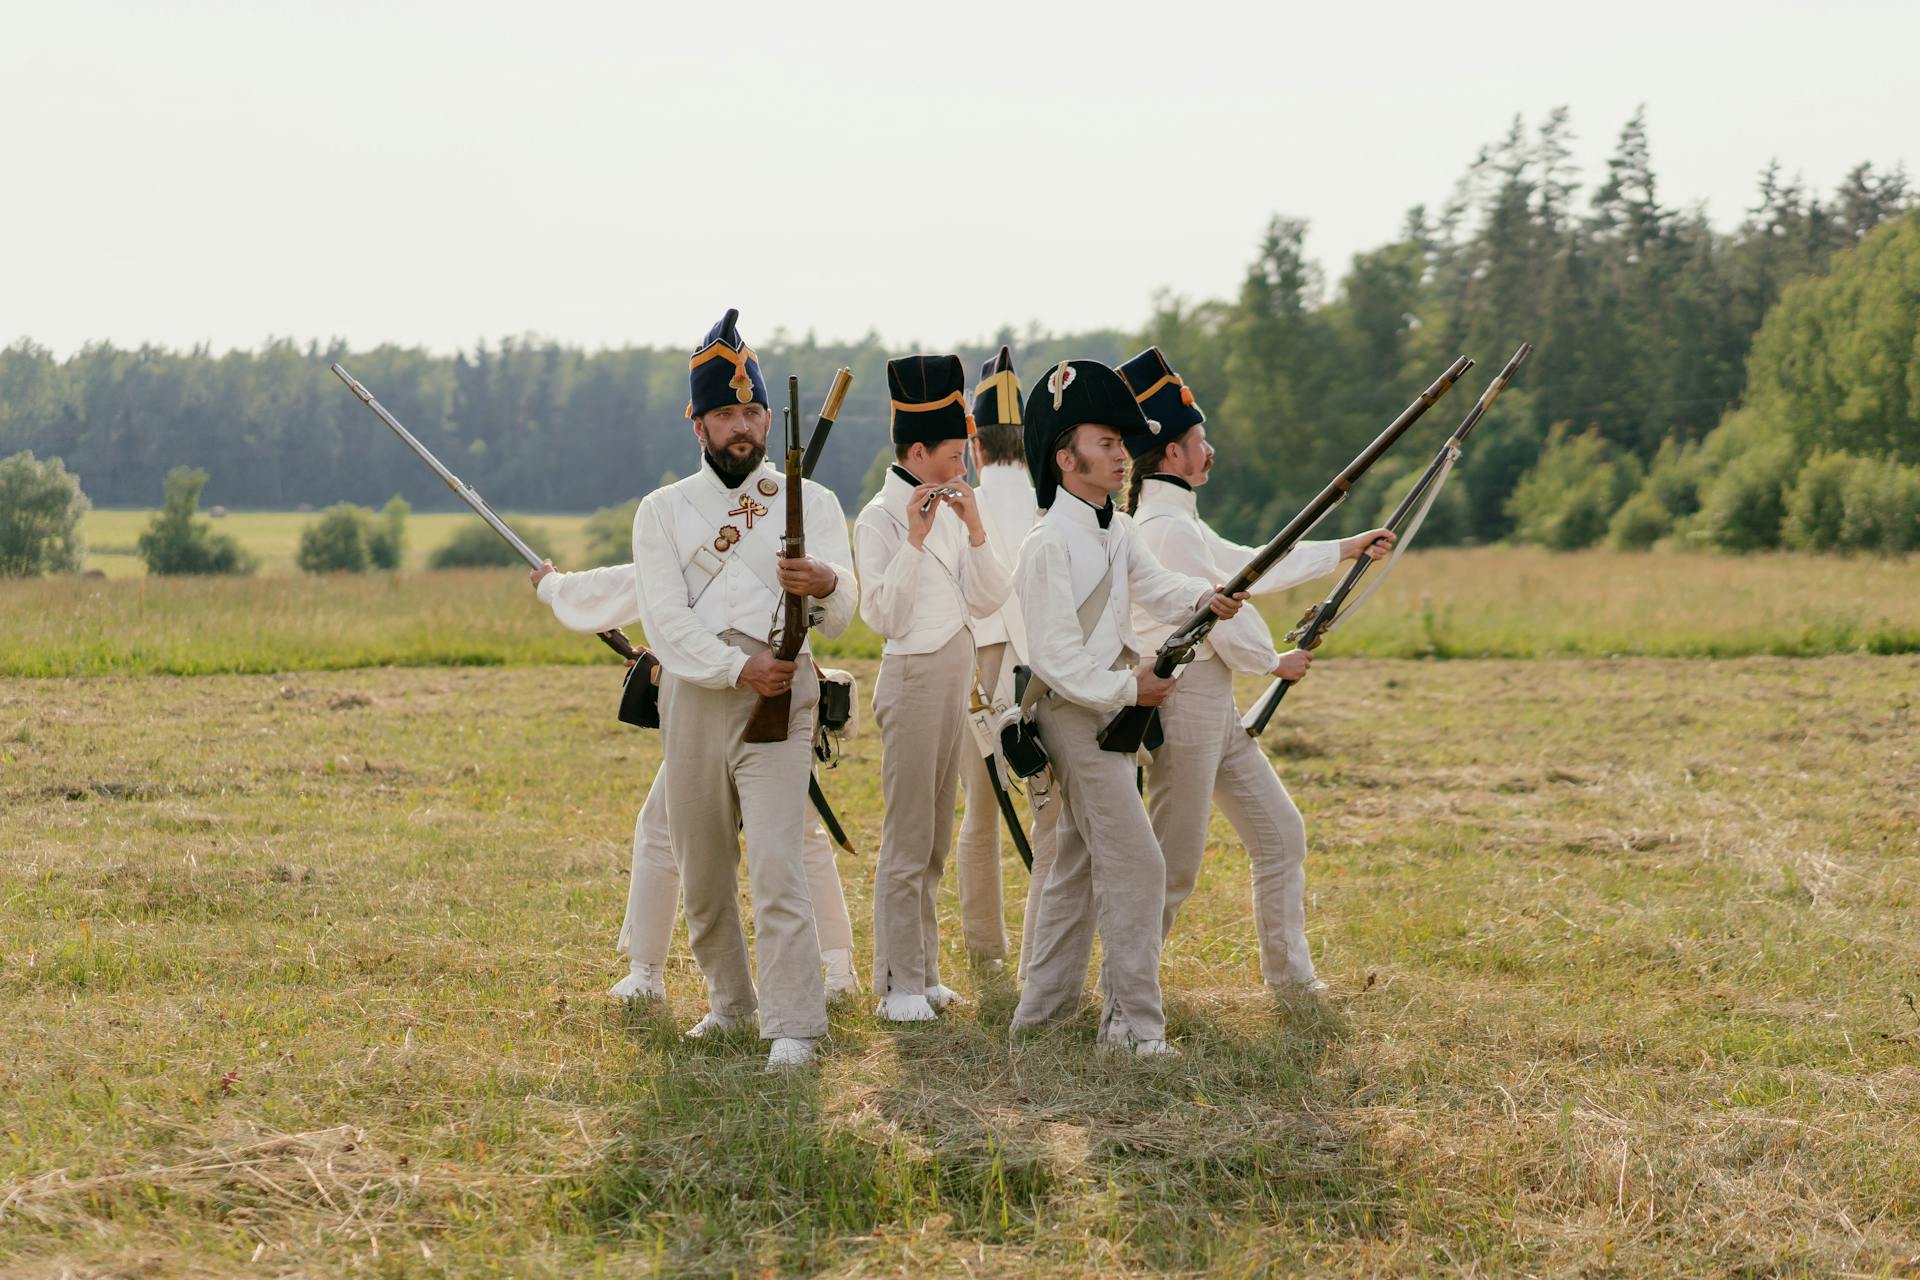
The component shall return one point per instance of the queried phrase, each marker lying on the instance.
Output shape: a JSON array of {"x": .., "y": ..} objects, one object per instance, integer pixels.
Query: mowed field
[
  {"x": 303, "y": 957},
  {"x": 303, "y": 974}
]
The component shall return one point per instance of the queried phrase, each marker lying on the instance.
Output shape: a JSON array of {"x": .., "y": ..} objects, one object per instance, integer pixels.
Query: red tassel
[{"x": 1186, "y": 394}]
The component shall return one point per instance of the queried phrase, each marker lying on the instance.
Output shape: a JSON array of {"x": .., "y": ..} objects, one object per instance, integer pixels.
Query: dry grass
[{"x": 302, "y": 976}]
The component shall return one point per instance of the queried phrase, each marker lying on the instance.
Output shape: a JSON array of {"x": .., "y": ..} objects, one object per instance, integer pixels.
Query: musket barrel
[
  {"x": 1127, "y": 730},
  {"x": 1321, "y": 618},
  {"x": 461, "y": 489}
]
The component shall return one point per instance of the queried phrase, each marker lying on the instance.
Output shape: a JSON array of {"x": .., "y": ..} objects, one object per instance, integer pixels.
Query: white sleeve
[
  {"x": 892, "y": 568},
  {"x": 684, "y": 646},
  {"x": 984, "y": 580},
  {"x": 594, "y": 599},
  {"x": 827, "y": 541},
  {"x": 1307, "y": 561},
  {"x": 1242, "y": 641},
  {"x": 1055, "y": 649}
]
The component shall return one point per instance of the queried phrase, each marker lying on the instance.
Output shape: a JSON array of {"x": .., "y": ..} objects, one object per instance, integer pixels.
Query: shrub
[
  {"x": 336, "y": 542},
  {"x": 610, "y": 534},
  {"x": 1880, "y": 507},
  {"x": 179, "y": 541},
  {"x": 1641, "y": 521},
  {"x": 476, "y": 545},
  {"x": 1674, "y": 477},
  {"x": 1743, "y": 508},
  {"x": 387, "y": 537},
  {"x": 1670, "y": 493},
  {"x": 1567, "y": 499},
  {"x": 40, "y": 510},
  {"x": 1816, "y": 506}
]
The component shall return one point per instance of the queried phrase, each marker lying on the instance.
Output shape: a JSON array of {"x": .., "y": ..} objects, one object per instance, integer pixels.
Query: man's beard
[{"x": 734, "y": 471}]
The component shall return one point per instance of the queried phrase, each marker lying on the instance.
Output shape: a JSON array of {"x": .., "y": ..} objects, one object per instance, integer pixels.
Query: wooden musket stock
[{"x": 770, "y": 715}]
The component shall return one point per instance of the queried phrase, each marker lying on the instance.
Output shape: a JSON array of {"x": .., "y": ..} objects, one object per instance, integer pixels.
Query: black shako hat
[
  {"x": 724, "y": 370},
  {"x": 1164, "y": 400},
  {"x": 1072, "y": 393},
  {"x": 929, "y": 400},
  {"x": 996, "y": 401}
]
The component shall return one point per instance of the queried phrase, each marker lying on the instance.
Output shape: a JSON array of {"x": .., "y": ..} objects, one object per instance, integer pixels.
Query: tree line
[{"x": 1644, "y": 316}]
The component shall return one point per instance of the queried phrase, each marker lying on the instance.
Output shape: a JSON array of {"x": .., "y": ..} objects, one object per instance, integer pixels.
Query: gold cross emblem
[{"x": 748, "y": 508}]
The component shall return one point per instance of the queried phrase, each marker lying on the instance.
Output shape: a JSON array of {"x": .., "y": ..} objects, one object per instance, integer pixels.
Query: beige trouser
[
  {"x": 1107, "y": 869},
  {"x": 982, "y": 911},
  {"x": 920, "y": 703},
  {"x": 719, "y": 789},
  {"x": 1044, "y": 838},
  {"x": 653, "y": 891},
  {"x": 1209, "y": 759}
]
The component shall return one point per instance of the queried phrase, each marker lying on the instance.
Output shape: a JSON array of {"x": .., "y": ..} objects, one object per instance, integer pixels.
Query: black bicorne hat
[
  {"x": 929, "y": 400},
  {"x": 724, "y": 370},
  {"x": 996, "y": 401},
  {"x": 1072, "y": 393},
  {"x": 1165, "y": 402}
]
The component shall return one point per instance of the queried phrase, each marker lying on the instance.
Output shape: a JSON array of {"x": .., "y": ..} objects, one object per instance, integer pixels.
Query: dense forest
[{"x": 1644, "y": 317}]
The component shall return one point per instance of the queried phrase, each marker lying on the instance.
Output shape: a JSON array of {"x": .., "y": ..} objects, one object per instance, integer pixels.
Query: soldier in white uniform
[
  {"x": 1008, "y": 510},
  {"x": 1207, "y": 757},
  {"x": 929, "y": 574},
  {"x": 711, "y": 576},
  {"x": 594, "y": 600},
  {"x": 1083, "y": 570}
]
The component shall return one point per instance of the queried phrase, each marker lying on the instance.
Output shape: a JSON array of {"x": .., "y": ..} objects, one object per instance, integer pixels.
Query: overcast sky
[{"x": 616, "y": 173}]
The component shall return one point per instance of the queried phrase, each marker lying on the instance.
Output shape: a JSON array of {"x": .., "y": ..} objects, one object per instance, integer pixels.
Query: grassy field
[
  {"x": 302, "y": 975},
  {"x": 274, "y": 536},
  {"x": 1485, "y": 602}
]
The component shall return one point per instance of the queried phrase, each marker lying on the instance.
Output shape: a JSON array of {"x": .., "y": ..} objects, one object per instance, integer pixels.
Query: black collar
[
  {"x": 1175, "y": 481},
  {"x": 1103, "y": 513},
  {"x": 904, "y": 474}
]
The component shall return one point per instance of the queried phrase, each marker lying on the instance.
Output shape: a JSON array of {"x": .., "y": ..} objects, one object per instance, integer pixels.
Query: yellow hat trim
[
  {"x": 1186, "y": 396},
  {"x": 1009, "y": 388},
  {"x": 958, "y": 397},
  {"x": 741, "y": 383}
]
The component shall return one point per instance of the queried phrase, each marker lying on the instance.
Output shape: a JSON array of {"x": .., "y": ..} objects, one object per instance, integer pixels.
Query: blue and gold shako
[
  {"x": 1166, "y": 403},
  {"x": 724, "y": 370},
  {"x": 996, "y": 398}
]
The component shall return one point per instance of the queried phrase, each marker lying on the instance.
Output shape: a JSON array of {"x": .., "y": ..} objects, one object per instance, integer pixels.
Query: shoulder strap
[
  {"x": 1095, "y": 604},
  {"x": 710, "y": 555}
]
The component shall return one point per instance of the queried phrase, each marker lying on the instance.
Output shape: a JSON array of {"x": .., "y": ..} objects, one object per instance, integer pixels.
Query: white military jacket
[
  {"x": 920, "y": 599},
  {"x": 1170, "y": 525},
  {"x": 1008, "y": 510},
  {"x": 1062, "y": 561},
  {"x": 704, "y": 558}
]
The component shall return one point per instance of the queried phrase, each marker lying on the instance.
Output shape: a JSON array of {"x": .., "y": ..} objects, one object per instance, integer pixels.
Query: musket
[
  {"x": 1127, "y": 730},
  {"x": 769, "y": 720},
  {"x": 1319, "y": 618},
  {"x": 614, "y": 639}
]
